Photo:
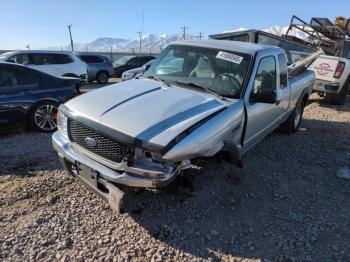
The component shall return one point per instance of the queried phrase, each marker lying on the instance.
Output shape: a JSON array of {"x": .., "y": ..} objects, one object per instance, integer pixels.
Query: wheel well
[
  {"x": 41, "y": 102},
  {"x": 105, "y": 71},
  {"x": 305, "y": 98},
  {"x": 70, "y": 75}
]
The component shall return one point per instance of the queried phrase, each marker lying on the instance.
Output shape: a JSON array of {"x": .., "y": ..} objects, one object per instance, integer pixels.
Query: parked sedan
[
  {"x": 100, "y": 67},
  {"x": 30, "y": 98},
  {"x": 132, "y": 73},
  {"x": 130, "y": 62}
]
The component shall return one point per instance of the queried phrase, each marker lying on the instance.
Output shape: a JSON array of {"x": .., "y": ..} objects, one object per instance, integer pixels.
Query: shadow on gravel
[
  {"x": 325, "y": 103},
  {"x": 287, "y": 204}
]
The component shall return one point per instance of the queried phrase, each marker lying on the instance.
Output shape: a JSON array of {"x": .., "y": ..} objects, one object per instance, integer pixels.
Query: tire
[
  {"x": 102, "y": 77},
  {"x": 339, "y": 99},
  {"x": 43, "y": 116},
  {"x": 293, "y": 123}
]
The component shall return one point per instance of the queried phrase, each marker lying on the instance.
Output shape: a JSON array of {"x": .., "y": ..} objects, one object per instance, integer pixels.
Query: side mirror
[{"x": 266, "y": 96}]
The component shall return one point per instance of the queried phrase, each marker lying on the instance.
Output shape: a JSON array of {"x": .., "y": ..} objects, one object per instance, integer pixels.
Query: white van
[{"x": 57, "y": 63}]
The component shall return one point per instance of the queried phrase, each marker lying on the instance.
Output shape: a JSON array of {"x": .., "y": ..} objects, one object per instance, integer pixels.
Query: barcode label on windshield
[{"x": 229, "y": 57}]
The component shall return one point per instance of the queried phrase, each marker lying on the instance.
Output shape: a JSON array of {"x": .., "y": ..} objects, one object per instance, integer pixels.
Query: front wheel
[
  {"x": 43, "y": 117},
  {"x": 293, "y": 123},
  {"x": 102, "y": 77}
]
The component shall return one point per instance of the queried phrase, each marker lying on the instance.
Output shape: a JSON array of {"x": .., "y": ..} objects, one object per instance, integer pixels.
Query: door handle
[{"x": 25, "y": 92}]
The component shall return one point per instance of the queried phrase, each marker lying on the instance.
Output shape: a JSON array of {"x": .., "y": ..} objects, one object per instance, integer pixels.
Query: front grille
[{"x": 105, "y": 147}]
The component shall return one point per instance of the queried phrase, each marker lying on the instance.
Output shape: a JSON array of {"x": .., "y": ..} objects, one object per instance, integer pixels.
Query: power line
[
  {"x": 184, "y": 28},
  {"x": 71, "y": 39}
]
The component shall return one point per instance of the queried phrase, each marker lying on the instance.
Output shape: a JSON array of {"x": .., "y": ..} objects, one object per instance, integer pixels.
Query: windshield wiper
[
  {"x": 159, "y": 80},
  {"x": 201, "y": 87}
]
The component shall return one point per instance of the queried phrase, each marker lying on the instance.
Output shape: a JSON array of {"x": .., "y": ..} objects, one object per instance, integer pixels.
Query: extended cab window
[
  {"x": 265, "y": 78},
  {"x": 283, "y": 71}
]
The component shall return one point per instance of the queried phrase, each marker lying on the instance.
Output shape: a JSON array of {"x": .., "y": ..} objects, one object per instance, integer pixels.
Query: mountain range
[{"x": 154, "y": 43}]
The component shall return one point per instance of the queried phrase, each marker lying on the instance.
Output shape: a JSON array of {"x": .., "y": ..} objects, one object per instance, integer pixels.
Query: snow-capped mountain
[
  {"x": 155, "y": 43},
  {"x": 150, "y": 42},
  {"x": 276, "y": 30}
]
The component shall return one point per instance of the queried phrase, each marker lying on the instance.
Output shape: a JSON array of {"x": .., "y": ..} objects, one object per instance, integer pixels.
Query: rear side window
[
  {"x": 62, "y": 59},
  {"x": 134, "y": 61},
  {"x": 50, "y": 59},
  {"x": 92, "y": 59},
  {"x": 14, "y": 77},
  {"x": 282, "y": 61},
  {"x": 22, "y": 59}
]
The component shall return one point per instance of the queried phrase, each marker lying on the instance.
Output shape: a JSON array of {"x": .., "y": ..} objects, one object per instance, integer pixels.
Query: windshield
[
  {"x": 122, "y": 61},
  {"x": 221, "y": 71}
]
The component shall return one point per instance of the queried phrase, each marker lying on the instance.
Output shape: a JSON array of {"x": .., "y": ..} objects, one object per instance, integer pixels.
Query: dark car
[
  {"x": 31, "y": 98},
  {"x": 100, "y": 67},
  {"x": 130, "y": 62}
]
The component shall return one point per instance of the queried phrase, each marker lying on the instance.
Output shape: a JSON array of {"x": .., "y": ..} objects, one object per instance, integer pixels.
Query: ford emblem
[{"x": 91, "y": 142}]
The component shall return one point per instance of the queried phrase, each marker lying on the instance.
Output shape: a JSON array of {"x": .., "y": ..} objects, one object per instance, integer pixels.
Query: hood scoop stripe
[
  {"x": 158, "y": 128},
  {"x": 130, "y": 98}
]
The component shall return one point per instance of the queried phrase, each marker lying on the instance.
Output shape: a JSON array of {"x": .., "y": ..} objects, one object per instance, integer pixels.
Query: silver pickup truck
[{"x": 199, "y": 98}]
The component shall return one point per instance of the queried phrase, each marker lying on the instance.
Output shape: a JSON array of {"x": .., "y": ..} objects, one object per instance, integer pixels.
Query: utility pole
[
  {"x": 184, "y": 28},
  {"x": 200, "y": 36},
  {"x": 112, "y": 54},
  {"x": 140, "y": 36},
  {"x": 141, "y": 32},
  {"x": 28, "y": 46},
  {"x": 71, "y": 39}
]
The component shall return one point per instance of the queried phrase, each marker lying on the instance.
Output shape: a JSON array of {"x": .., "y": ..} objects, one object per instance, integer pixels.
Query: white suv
[{"x": 57, "y": 63}]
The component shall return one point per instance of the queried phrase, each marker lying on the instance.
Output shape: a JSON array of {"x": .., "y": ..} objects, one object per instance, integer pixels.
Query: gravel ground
[{"x": 287, "y": 204}]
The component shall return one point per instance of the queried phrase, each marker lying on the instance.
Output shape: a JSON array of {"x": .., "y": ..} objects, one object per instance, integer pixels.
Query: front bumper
[
  {"x": 83, "y": 77},
  {"x": 124, "y": 175},
  {"x": 326, "y": 86}
]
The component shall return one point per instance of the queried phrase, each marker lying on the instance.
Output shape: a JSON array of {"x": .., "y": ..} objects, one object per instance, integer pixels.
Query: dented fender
[{"x": 210, "y": 137}]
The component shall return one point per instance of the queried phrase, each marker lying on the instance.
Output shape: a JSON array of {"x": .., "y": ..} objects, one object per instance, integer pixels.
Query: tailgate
[{"x": 325, "y": 67}]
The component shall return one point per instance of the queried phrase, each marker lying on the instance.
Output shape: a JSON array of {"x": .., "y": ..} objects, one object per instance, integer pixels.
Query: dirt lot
[{"x": 287, "y": 205}]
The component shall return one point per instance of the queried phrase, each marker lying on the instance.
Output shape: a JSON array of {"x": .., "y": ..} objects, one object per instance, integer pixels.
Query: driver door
[{"x": 262, "y": 118}]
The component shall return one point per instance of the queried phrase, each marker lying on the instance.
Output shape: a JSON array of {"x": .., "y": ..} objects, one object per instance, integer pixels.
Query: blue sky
[{"x": 44, "y": 23}]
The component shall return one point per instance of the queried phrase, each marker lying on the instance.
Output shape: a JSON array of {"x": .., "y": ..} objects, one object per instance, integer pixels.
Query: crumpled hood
[{"x": 145, "y": 109}]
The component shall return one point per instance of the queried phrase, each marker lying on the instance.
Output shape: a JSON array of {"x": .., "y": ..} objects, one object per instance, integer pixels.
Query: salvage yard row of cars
[
  {"x": 34, "y": 83},
  {"x": 198, "y": 99}
]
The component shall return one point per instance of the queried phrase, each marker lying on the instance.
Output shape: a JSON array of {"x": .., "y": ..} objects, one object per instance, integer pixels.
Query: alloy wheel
[{"x": 45, "y": 117}]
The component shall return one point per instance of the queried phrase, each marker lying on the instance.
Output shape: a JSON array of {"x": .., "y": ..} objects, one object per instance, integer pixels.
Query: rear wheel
[
  {"x": 292, "y": 124},
  {"x": 43, "y": 117},
  {"x": 102, "y": 77}
]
